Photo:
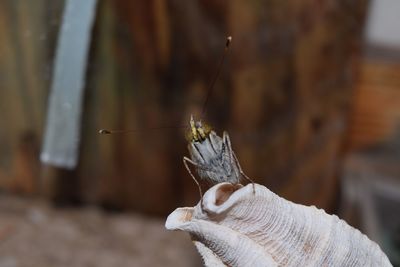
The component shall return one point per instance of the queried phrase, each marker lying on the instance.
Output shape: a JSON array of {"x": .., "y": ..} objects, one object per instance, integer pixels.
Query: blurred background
[{"x": 309, "y": 93}]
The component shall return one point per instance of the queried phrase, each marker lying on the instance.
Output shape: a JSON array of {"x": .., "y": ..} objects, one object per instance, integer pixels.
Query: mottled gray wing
[{"x": 227, "y": 156}]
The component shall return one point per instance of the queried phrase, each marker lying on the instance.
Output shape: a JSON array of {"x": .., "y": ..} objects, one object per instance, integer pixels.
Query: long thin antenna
[
  {"x": 208, "y": 96},
  {"x": 106, "y": 131},
  {"x": 211, "y": 86}
]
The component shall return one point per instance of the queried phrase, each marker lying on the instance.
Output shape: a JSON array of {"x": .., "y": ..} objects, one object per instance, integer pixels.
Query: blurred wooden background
[
  {"x": 284, "y": 96},
  {"x": 376, "y": 109}
]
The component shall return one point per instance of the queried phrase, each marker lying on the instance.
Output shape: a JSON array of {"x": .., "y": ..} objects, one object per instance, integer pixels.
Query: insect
[{"x": 212, "y": 156}]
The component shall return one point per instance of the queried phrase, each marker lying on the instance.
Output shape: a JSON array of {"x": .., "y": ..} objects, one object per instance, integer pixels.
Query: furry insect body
[
  {"x": 215, "y": 160},
  {"x": 213, "y": 157}
]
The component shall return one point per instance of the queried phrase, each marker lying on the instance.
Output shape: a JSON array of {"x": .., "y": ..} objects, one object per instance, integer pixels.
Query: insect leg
[
  {"x": 242, "y": 173},
  {"x": 185, "y": 161}
]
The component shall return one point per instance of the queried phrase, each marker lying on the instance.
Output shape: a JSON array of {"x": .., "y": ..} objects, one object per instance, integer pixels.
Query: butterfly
[{"x": 211, "y": 155}]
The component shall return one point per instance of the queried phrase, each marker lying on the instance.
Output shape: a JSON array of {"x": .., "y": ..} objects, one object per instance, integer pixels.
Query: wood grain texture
[
  {"x": 283, "y": 96},
  {"x": 27, "y": 31},
  {"x": 375, "y": 115}
]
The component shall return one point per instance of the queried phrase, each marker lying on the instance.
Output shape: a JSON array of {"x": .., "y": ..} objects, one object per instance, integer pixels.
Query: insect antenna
[
  {"x": 107, "y": 131},
  {"x": 211, "y": 86},
  {"x": 204, "y": 109}
]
